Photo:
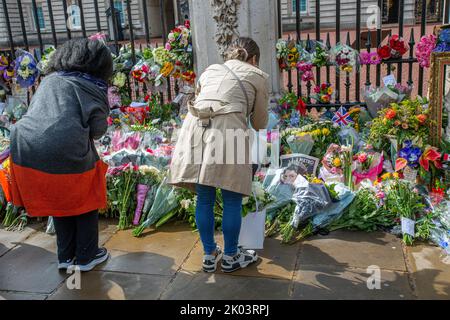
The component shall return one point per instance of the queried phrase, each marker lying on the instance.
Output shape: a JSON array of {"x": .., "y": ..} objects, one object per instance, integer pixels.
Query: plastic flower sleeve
[
  {"x": 164, "y": 202},
  {"x": 25, "y": 66},
  {"x": 345, "y": 58},
  {"x": 309, "y": 198},
  {"x": 301, "y": 145}
]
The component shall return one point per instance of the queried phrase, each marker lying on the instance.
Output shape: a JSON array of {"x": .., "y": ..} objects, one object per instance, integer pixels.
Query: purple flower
[
  {"x": 444, "y": 35},
  {"x": 411, "y": 154},
  {"x": 442, "y": 47}
]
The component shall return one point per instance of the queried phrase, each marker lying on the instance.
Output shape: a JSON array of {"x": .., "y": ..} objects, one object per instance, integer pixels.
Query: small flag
[{"x": 342, "y": 117}]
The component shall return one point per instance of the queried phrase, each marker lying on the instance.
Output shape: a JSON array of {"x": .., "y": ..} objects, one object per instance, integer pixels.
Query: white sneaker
[
  {"x": 241, "y": 260},
  {"x": 210, "y": 261},
  {"x": 66, "y": 264}
]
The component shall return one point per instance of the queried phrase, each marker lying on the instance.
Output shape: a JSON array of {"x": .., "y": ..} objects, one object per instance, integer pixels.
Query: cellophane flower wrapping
[
  {"x": 345, "y": 58},
  {"x": 309, "y": 198},
  {"x": 333, "y": 211},
  {"x": 300, "y": 144},
  {"x": 26, "y": 70},
  {"x": 381, "y": 97},
  {"x": 165, "y": 201}
]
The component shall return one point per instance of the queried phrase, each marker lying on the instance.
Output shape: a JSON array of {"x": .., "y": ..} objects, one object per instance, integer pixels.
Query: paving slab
[
  {"x": 335, "y": 282},
  {"x": 100, "y": 285},
  {"x": 140, "y": 263},
  {"x": 277, "y": 261},
  {"x": 31, "y": 266},
  {"x": 106, "y": 228},
  {"x": 165, "y": 248},
  {"x": 210, "y": 286},
  {"x": 430, "y": 271},
  {"x": 354, "y": 249},
  {"x": 8, "y": 239},
  {"x": 9, "y": 295}
]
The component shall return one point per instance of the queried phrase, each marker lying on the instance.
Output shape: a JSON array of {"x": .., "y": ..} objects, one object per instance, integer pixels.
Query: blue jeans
[{"x": 231, "y": 220}]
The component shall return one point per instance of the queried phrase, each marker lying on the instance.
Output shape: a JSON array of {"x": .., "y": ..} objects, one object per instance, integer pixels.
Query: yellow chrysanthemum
[
  {"x": 326, "y": 131},
  {"x": 396, "y": 175},
  {"x": 167, "y": 69},
  {"x": 330, "y": 90},
  {"x": 386, "y": 176},
  {"x": 337, "y": 162}
]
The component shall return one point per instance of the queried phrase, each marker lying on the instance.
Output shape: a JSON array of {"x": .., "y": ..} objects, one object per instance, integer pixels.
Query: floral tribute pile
[{"x": 352, "y": 167}]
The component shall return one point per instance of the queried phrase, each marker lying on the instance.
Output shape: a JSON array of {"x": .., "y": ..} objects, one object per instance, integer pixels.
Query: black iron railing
[
  {"x": 368, "y": 75},
  {"x": 35, "y": 42}
]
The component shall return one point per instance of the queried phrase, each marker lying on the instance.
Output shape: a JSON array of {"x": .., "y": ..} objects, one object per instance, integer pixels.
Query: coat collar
[{"x": 247, "y": 66}]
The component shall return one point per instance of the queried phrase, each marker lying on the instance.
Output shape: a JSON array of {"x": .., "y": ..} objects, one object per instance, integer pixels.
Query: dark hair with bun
[
  {"x": 243, "y": 49},
  {"x": 84, "y": 55}
]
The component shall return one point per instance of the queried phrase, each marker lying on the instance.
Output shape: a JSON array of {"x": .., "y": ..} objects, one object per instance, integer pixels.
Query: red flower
[
  {"x": 187, "y": 24},
  {"x": 324, "y": 86},
  {"x": 390, "y": 114},
  {"x": 422, "y": 118},
  {"x": 147, "y": 97},
  {"x": 398, "y": 44},
  {"x": 123, "y": 109},
  {"x": 301, "y": 107},
  {"x": 430, "y": 154},
  {"x": 384, "y": 52}
]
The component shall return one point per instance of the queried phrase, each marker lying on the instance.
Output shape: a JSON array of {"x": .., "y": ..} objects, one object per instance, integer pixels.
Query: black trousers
[{"x": 77, "y": 236}]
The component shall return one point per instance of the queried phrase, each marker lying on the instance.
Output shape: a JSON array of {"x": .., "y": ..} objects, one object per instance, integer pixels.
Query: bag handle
[{"x": 240, "y": 84}]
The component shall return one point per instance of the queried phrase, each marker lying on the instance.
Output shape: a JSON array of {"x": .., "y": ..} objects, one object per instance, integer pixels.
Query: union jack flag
[{"x": 342, "y": 117}]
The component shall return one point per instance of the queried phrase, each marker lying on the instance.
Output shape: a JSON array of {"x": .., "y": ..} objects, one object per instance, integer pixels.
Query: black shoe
[{"x": 101, "y": 256}]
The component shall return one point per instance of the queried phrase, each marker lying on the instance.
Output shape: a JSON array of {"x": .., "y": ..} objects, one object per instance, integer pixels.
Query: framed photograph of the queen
[{"x": 440, "y": 97}]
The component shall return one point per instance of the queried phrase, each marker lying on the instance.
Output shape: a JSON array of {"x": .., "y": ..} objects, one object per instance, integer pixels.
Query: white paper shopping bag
[{"x": 253, "y": 230}]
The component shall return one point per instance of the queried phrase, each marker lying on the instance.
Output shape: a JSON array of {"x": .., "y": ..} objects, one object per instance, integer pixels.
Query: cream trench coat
[{"x": 213, "y": 146}]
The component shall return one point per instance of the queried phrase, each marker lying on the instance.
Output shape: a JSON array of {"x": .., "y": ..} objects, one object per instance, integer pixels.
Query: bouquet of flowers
[
  {"x": 424, "y": 48},
  {"x": 405, "y": 202},
  {"x": 179, "y": 45},
  {"x": 320, "y": 56},
  {"x": 367, "y": 164},
  {"x": 344, "y": 57},
  {"x": 443, "y": 41},
  {"x": 6, "y": 69},
  {"x": 165, "y": 201},
  {"x": 379, "y": 98},
  {"x": 122, "y": 183},
  {"x": 332, "y": 170},
  {"x": 369, "y": 58},
  {"x": 323, "y": 133},
  {"x": 310, "y": 196},
  {"x": 260, "y": 199},
  {"x": 407, "y": 120},
  {"x": 366, "y": 212},
  {"x": 394, "y": 49},
  {"x": 287, "y": 54},
  {"x": 43, "y": 63},
  {"x": 323, "y": 93},
  {"x": 286, "y": 106},
  {"x": 25, "y": 67},
  {"x": 149, "y": 177}
]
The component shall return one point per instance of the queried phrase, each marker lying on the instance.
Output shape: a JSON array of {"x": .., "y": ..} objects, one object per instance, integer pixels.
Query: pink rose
[{"x": 362, "y": 157}]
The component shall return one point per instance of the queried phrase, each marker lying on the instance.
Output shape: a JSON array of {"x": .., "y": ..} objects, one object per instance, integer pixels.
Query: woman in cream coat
[{"x": 213, "y": 148}]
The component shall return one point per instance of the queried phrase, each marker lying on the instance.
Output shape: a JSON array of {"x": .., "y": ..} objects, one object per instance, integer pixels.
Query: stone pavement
[{"x": 166, "y": 264}]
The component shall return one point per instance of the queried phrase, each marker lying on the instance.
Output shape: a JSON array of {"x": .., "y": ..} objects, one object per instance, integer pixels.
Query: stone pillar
[{"x": 257, "y": 19}]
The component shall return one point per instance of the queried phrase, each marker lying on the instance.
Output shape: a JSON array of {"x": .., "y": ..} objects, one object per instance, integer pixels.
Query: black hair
[
  {"x": 243, "y": 49},
  {"x": 297, "y": 168},
  {"x": 84, "y": 55}
]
